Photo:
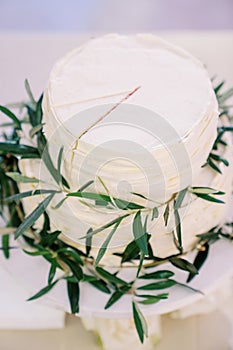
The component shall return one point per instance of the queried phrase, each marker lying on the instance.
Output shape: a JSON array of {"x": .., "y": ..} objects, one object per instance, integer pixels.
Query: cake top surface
[{"x": 103, "y": 71}]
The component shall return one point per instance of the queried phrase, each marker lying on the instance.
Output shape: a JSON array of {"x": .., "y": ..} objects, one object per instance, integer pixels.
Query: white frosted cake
[{"x": 134, "y": 114}]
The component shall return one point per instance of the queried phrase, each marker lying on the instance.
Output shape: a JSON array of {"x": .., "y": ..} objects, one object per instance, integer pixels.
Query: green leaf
[
  {"x": 102, "y": 204},
  {"x": 59, "y": 204},
  {"x": 212, "y": 235},
  {"x": 101, "y": 285},
  {"x": 44, "y": 153},
  {"x": 29, "y": 92},
  {"x": 151, "y": 300},
  {"x": 87, "y": 184},
  {"x": 17, "y": 177},
  {"x": 145, "y": 224},
  {"x": 142, "y": 257},
  {"x": 48, "y": 239},
  {"x": 73, "y": 294},
  {"x": 37, "y": 252},
  {"x": 158, "y": 285},
  {"x": 183, "y": 265},
  {"x": 183, "y": 285},
  {"x": 180, "y": 198},
  {"x": 18, "y": 149},
  {"x": 218, "y": 87},
  {"x": 140, "y": 322},
  {"x": 161, "y": 274},
  {"x": 12, "y": 116},
  {"x": 141, "y": 196},
  {"x": 46, "y": 225},
  {"x": 88, "y": 242},
  {"x": 131, "y": 252},
  {"x": 178, "y": 229},
  {"x": 205, "y": 190},
  {"x": 166, "y": 214},
  {"x": 209, "y": 198},
  {"x": 199, "y": 260},
  {"x": 158, "y": 296},
  {"x": 59, "y": 161},
  {"x": 114, "y": 298},
  {"x": 225, "y": 96},
  {"x": 69, "y": 252},
  {"x": 35, "y": 112},
  {"x": 213, "y": 166},
  {"x": 35, "y": 214},
  {"x": 35, "y": 130},
  {"x": 139, "y": 233},
  {"x": 74, "y": 267},
  {"x": 39, "y": 112},
  {"x": 6, "y": 246},
  {"x": 21, "y": 195},
  {"x": 104, "y": 246},
  {"x": 109, "y": 277},
  {"x": 43, "y": 291},
  {"x": 91, "y": 232},
  {"x": 52, "y": 271},
  {"x": 121, "y": 204},
  {"x": 225, "y": 128},
  {"x": 219, "y": 159},
  {"x": 89, "y": 278},
  {"x": 155, "y": 213},
  {"x": 107, "y": 191}
]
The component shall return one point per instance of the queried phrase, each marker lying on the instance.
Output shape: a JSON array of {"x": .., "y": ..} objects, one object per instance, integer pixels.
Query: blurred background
[{"x": 121, "y": 16}]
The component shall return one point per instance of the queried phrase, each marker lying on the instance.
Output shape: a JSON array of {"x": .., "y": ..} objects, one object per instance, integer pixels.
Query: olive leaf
[
  {"x": 116, "y": 296},
  {"x": 43, "y": 291},
  {"x": 110, "y": 277},
  {"x": 225, "y": 96},
  {"x": 152, "y": 299},
  {"x": 6, "y": 245},
  {"x": 21, "y": 195},
  {"x": 219, "y": 159},
  {"x": 105, "y": 244},
  {"x": 21, "y": 178},
  {"x": 120, "y": 203},
  {"x": 12, "y": 116},
  {"x": 140, "y": 235},
  {"x": 178, "y": 230},
  {"x": 24, "y": 151},
  {"x": 180, "y": 198},
  {"x": 183, "y": 264},
  {"x": 101, "y": 285},
  {"x": 166, "y": 214},
  {"x": 209, "y": 198},
  {"x": 92, "y": 232},
  {"x": 161, "y": 274},
  {"x": 35, "y": 214},
  {"x": 158, "y": 285},
  {"x": 73, "y": 294},
  {"x": 205, "y": 190},
  {"x": 199, "y": 260},
  {"x": 52, "y": 271},
  {"x": 140, "y": 322}
]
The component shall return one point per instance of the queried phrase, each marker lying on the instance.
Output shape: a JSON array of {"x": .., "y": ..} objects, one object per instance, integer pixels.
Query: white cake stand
[{"x": 31, "y": 273}]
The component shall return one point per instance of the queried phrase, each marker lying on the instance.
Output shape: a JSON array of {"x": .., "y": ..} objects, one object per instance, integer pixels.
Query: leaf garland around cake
[
  {"x": 214, "y": 159},
  {"x": 74, "y": 266}
]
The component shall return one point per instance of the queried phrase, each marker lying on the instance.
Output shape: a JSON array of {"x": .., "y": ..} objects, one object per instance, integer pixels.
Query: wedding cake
[
  {"x": 136, "y": 115},
  {"x": 118, "y": 179}
]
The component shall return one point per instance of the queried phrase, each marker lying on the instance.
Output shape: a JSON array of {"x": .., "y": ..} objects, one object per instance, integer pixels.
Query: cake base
[{"x": 31, "y": 273}]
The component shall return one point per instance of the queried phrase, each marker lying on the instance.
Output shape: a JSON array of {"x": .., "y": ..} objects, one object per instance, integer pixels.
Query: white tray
[{"x": 31, "y": 273}]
